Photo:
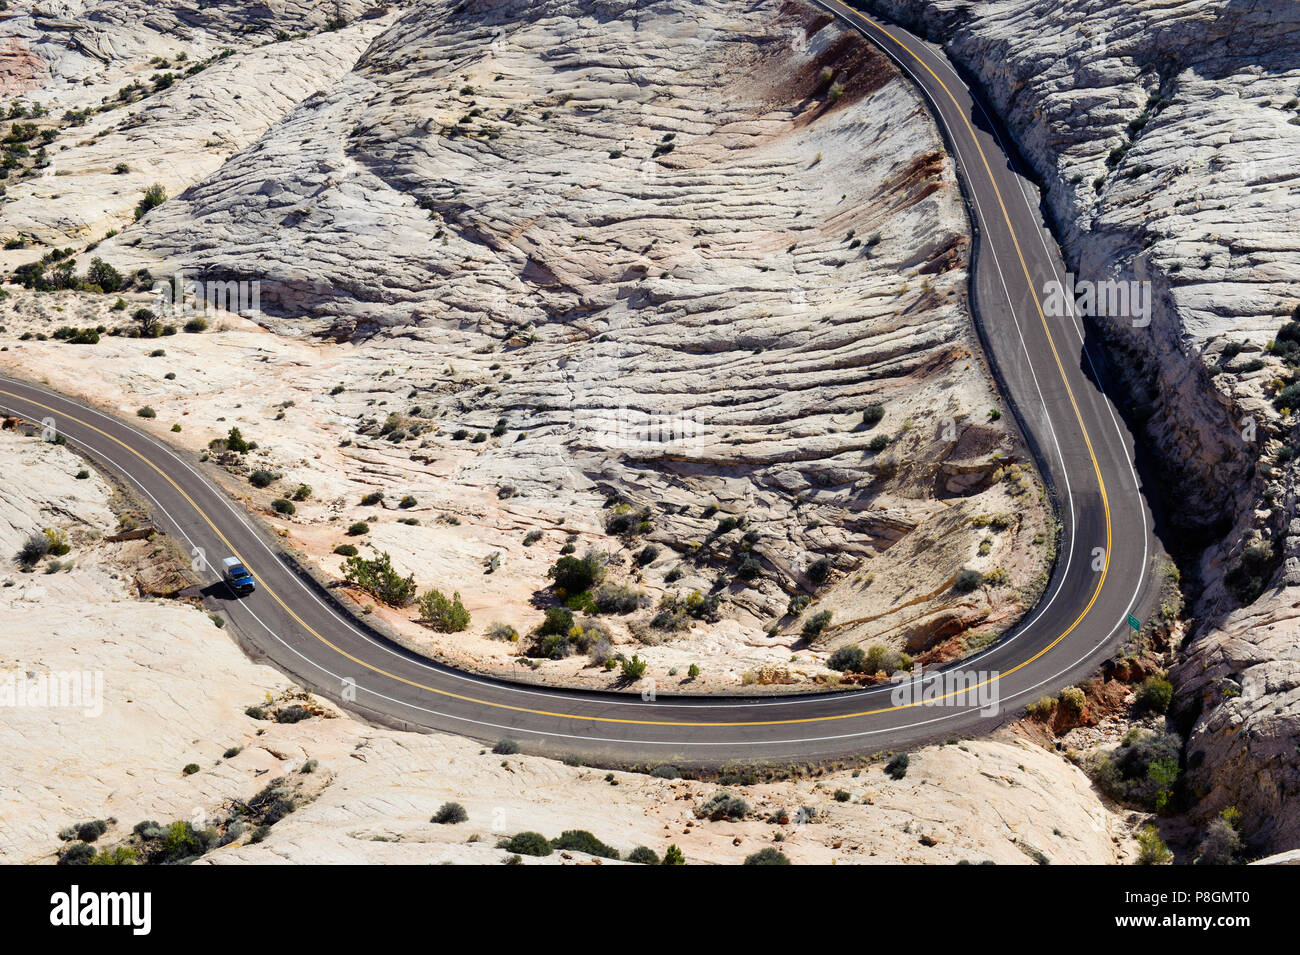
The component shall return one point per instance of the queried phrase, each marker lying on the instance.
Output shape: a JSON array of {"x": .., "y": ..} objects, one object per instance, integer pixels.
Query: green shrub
[
  {"x": 449, "y": 814},
  {"x": 302, "y": 492},
  {"x": 580, "y": 840},
  {"x": 528, "y": 844},
  {"x": 814, "y": 625},
  {"x": 373, "y": 498},
  {"x": 633, "y": 668},
  {"x": 643, "y": 855},
  {"x": 873, "y": 414},
  {"x": 153, "y": 197},
  {"x": 673, "y": 856},
  {"x": 263, "y": 478},
  {"x": 1151, "y": 848},
  {"x": 190, "y": 769},
  {"x": 896, "y": 768},
  {"x": 345, "y": 550},
  {"x": 196, "y": 325},
  {"x": 722, "y": 805},
  {"x": 767, "y": 856},
  {"x": 235, "y": 442},
  {"x": 851, "y": 659},
  {"x": 283, "y": 506},
  {"x": 146, "y": 412},
  {"x": 439, "y": 613},
  {"x": 1143, "y": 770},
  {"x": 878, "y": 444},
  {"x": 574, "y": 575},
  {"x": 967, "y": 580},
  {"x": 1155, "y": 694},
  {"x": 505, "y": 747},
  {"x": 359, "y": 528},
  {"x": 407, "y": 502}
]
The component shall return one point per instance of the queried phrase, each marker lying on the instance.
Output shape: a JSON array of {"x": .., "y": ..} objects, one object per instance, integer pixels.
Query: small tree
[
  {"x": 235, "y": 442},
  {"x": 104, "y": 275},
  {"x": 673, "y": 856},
  {"x": 378, "y": 578},
  {"x": 634, "y": 668}
]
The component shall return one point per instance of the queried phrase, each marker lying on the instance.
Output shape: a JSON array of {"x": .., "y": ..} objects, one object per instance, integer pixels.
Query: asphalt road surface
[{"x": 1084, "y": 451}]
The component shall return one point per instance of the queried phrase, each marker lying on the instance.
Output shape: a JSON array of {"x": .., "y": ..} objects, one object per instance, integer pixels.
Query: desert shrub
[
  {"x": 502, "y": 631},
  {"x": 878, "y": 444},
  {"x": 292, "y": 714},
  {"x": 1221, "y": 844},
  {"x": 749, "y": 568},
  {"x": 359, "y": 528},
  {"x": 407, "y": 502},
  {"x": 814, "y": 625},
  {"x": 967, "y": 580},
  {"x": 232, "y": 752},
  {"x": 153, "y": 197},
  {"x": 574, "y": 575},
  {"x": 819, "y": 570},
  {"x": 146, "y": 412},
  {"x": 556, "y": 621},
  {"x": 1151, "y": 848},
  {"x": 449, "y": 814},
  {"x": 1142, "y": 770},
  {"x": 283, "y": 506},
  {"x": 90, "y": 831},
  {"x": 371, "y": 499},
  {"x": 665, "y": 772},
  {"x": 378, "y": 578},
  {"x": 633, "y": 668},
  {"x": 1073, "y": 699},
  {"x": 528, "y": 844},
  {"x": 852, "y": 659},
  {"x": 880, "y": 658},
  {"x": 345, "y": 550},
  {"x": 580, "y": 840},
  {"x": 302, "y": 492},
  {"x": 439, "y": 613},
  {"x": 505, "y": 747},
  {"x": 617, "y": 598},
  {"x": 1155, "y": 694},
  {"x": 896, "y": 768},
  {"x": 643, "y": 855},
  {"x": 798, "y": 605},
  {"x": 34, "y": 548},
  {"x": 190, "y": 769},
  {"x": 79, "y": 853},
  {"x": 722, "y": 805},
  {"x": 873, "y": 414},
  {"x": 647, "y": 555},
  {"x": 767, "y": 856},
  {"x": 263, "y": 478}
]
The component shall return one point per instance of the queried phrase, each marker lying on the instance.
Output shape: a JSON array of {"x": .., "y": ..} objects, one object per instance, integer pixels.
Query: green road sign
[{"x": 1134, "y": 622}]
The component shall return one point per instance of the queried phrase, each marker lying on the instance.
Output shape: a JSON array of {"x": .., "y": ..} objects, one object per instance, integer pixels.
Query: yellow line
[{"x": 607, "y": 719}]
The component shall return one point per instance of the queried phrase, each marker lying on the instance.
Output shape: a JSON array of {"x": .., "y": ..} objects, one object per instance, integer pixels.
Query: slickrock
[{"x": 1165, "y": 134}]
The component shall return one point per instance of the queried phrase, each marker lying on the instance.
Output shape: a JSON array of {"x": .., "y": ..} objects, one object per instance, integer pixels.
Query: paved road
[{"x": 1103, "y": 573}]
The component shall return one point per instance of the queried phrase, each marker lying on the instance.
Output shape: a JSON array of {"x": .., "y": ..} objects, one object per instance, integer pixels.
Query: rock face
[
  {"x": 658, "y": 256},
  {"x": 1165, "y": 135}
]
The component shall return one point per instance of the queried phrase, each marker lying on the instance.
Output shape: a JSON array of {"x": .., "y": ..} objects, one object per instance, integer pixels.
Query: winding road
[{"x": 1083, "y": 449}]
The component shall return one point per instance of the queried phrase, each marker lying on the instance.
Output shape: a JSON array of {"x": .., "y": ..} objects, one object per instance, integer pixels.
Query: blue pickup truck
[{"x": 236, "y": 576}]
